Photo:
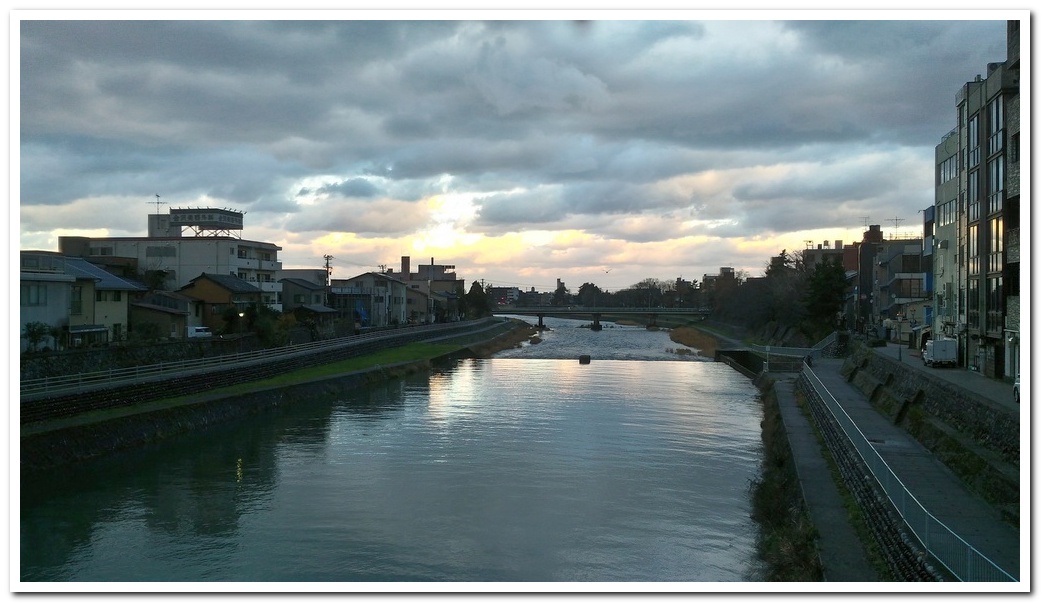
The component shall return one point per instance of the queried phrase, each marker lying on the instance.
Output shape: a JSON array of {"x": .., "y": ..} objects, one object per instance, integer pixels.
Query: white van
[{"x": 199, "y": 332}]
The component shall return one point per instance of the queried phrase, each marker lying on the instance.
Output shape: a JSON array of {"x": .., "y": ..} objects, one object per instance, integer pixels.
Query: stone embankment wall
[
  {"x": 53, "y": 449},
  {"x": 61, "y": 406},
  {"x": 977, "y": 440},
  {"x": 49, "y": 448}
]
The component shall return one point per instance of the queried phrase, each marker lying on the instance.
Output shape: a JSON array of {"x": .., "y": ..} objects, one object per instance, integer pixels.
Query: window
[
  {"x": 298, "y": 298},
  {"x": 997, "y": 245},
  {"x": 995, "y": 126},
  {"x": 948, "y": 170},
  {"x": 34, "y": 295},
  {"x": 77, "y": 301},
  {"x": 973, "y": 300},
  {"x": 974, "y": 141},
  {"x": 995, "y": 304},
  {"x": 155, "y": 251},
  {"x": 946, "y": 214},
  {"x": 995, "y": 184},
  {"x": 974, "y": 195},
  {"x": 973, "y": 250}
]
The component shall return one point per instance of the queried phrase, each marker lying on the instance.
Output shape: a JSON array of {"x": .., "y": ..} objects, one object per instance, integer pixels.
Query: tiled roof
[
  {"x": 105, "y": 280},
  {"x": 229, "y": 282},
  {"x": 303, "y": 284}
]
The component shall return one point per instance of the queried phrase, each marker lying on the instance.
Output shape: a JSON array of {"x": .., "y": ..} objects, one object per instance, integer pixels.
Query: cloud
[{"x": 667, "y": 145}]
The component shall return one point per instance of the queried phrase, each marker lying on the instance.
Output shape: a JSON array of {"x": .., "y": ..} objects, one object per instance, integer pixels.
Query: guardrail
[
  {"x": 958, "y": 556},
  {"x": 31, "y": 389}
]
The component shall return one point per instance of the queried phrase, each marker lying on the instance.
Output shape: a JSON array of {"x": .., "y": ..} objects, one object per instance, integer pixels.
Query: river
[{"x": 528, "y": 467}]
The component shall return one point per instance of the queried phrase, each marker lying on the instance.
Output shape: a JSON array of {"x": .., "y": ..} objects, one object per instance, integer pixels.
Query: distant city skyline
[{"x": 606, "y": 150}]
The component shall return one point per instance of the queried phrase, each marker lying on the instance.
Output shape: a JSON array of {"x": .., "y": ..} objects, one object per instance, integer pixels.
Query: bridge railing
[{"x": 598, "y": 310}]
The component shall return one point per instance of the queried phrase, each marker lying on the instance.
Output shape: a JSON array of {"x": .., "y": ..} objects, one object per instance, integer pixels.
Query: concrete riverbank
[{"x": 50, "y": 444}]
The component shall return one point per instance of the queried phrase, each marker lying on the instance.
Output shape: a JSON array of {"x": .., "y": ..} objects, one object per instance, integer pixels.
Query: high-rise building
[{"x": 976, "y": 242}]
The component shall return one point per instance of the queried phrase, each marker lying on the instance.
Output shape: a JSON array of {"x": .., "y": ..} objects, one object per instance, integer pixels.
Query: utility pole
[{"x": 328, "y": 270}]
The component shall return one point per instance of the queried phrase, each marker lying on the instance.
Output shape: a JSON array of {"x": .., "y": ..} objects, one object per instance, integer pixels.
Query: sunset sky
[{"x": 605, "y": 147}]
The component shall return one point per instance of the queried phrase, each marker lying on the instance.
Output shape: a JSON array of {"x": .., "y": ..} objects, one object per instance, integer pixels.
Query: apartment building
[
  {"x": 373, "y": 299},
  {"x": 976, "y": 204},
  {"x": 184, "y": 244}
]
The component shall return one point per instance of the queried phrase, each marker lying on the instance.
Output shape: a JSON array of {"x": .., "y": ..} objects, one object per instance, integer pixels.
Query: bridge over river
[{"x": 596, "y": 313}]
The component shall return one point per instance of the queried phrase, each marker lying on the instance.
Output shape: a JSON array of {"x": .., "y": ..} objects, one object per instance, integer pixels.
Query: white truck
[
  {"x": 941, "y": 352},
  {"x": 193, "y": 332}
]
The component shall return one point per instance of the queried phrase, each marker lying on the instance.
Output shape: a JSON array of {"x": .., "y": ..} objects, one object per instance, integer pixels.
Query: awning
[
  {"x": 318, "y": 309},
  {"x": 88, "y": 329}
]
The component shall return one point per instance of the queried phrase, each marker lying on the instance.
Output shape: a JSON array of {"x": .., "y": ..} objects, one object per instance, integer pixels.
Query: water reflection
[{"x": 508, "y": 469}]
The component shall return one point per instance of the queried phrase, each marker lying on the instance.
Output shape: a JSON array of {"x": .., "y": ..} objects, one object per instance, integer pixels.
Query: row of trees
[
  {"x": 648, "y": 293},
  {"x": 790, "y": 295}
]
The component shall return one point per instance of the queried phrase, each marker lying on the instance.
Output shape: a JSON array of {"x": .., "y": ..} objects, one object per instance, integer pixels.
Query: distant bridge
[{"x": 597, "y": 312}]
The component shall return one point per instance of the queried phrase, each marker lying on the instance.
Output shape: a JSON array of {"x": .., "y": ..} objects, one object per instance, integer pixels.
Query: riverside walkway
[{"x": 937, "y": 489}]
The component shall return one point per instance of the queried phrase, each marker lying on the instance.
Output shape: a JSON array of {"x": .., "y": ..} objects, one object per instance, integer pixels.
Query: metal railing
[
  {"x": 816, "y": 351},
  {"x": 958, "y": 556},
  {"x": 31, "y": 389}
]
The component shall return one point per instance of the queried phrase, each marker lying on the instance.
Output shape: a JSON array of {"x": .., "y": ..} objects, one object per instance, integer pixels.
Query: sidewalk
[
  {"x": 842, "y": 555},
  {"x": 931, "y": 483},
  {"x": 994, "y": 390}
]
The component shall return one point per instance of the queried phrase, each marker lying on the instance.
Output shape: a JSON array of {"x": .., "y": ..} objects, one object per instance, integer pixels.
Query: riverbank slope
[{"x": 50, "y": 444}]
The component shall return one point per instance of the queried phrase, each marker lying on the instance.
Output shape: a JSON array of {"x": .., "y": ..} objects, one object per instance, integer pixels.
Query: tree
[
  {"x": 825, "y": 295},
  {"x": 35, "y": 332},
  {"x": 561, "y": 297},
  {"x": 477, "y": 302},
  {"x": 590, "y": 295}
]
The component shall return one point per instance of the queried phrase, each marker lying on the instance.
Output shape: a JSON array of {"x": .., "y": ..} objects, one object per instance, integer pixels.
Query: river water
[{"x": 526, "y": 467}]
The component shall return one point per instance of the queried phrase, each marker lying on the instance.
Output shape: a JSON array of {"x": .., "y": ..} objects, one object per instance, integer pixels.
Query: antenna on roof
[
  {"x": 157, "y": 204},
  {"x": 896, "y": 226}
]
